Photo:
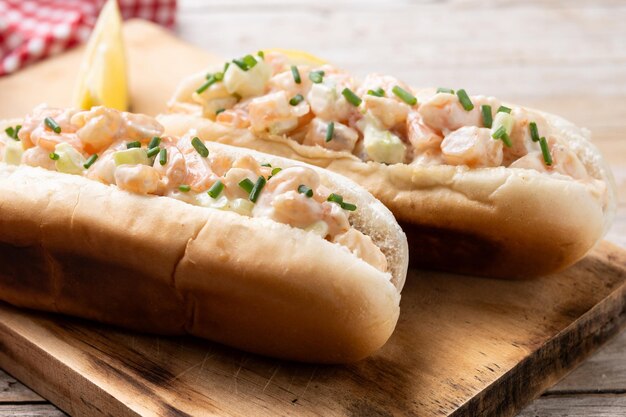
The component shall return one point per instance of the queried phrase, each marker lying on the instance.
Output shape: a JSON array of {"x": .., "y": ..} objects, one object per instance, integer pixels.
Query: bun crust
[
  {"x": 497, "y": 222},
  {"x": 75, "y": 246}
]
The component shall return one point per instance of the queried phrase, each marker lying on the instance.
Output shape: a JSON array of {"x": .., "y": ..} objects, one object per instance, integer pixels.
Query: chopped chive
[
  {"x": 247, "y": 185},
  {"x": 219, "y": 76},
  {"x": 276, "y": 171},
  {"x": 351, "y": 97},
  {"x": 154, "y": 142},
  {"x": 348, "y": 206},
  {"x": 534, "y": 132},
  {"x": 295, "y": 100},
  {"x": 504, "y": 109},
  {"x": 135, "y": 144},
  {"x": 216, "y": 189},
  {"x": 445, "y": 90},
  {"x": 200, "y": 147},
  {"x": 249, "y": 61},
  {"x": 54, "y": 126},
  {"x": 184, "y": 188},
  {"x": 330, "y": 131},
  {"x": 547, "y": 157},
  {"x": 307, "y": 191},
  {"x": 206, "y": 85},
  {"x": 54, "y": 156},
  {"x": 226, "y": 65},
  {"x": 153, "y": 152},
  {"x": 379, "y": 92},
  {"x": 267, "y": 164},
  {"x": 465, "y": 100},
  {"x": 218, "y": 111},
  {"x": 296, "y": 74},
  {"x": 242, "y": 65},
  {"x": 501, "y": 134},
  {"x": 90, "y": 161},
  {"x": 404, "y": 95},
  {"x": 316, "y": 76},
  {"x": 163, "y": 156},
  {"x": 256, "y": 191},
  {"x": 507, "y": 140},
  {"x": 13, "y": 131},
  {"x": 261, "y": 54},
  {"x": 485, "y": 109},
  {"x": 335, "y": 198},
  {"x": 208, "y": 75}
]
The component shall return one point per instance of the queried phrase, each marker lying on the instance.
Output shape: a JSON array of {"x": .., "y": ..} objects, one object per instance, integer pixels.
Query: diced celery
[
  {"x": 503, "y": 119},
  {"x": 70, "y": 160},
  {"x": 132, "y": 156},
  {"x": 241, "y": 206},
  {"x": 13, "y": 152},
  {"x": 247, "y": 83},
  {"x": 383, "y": 146}
]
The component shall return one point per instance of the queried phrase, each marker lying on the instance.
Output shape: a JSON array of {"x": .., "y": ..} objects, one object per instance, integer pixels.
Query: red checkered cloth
[{"x": 31, "y": 30}]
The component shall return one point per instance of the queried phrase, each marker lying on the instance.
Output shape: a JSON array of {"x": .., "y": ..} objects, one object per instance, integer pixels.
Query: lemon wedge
[
  {"x": 101, "y": 77},
  {"x": 297, "y": 57}
]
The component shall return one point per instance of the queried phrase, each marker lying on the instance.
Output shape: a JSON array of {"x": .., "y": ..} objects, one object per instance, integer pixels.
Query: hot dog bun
[
  {"x": 75, "y": 246},
  {"x": 497, "y": 221}
]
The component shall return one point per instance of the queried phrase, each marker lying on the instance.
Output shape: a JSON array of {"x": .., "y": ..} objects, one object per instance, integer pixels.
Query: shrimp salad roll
[
  {"x": 481, "y": 186},
  {"x": 102, "y": 216}
]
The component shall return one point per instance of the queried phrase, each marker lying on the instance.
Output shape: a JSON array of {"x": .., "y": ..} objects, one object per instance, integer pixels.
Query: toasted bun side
[
  {"x": 498, "y": 222},
  {"x": 75, "y": 246}
]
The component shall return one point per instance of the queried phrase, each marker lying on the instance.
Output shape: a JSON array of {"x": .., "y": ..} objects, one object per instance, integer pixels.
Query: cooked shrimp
[
  {"x": 38, "y": 157},
  {"x": 520, "y": 134},
  {"x": 249, "y": 163},
  {"x": 237, "y": 118},
  {"x": 282, "y": 202},
  {"x": 421, "y": 136},
  {"x": 97, "y": 128},
  {"x": 285, "y": 81},
  {"x": 174, "y": 172},
  {"x": 34, "y": 128},
  {"x": 220, "y": 164},
  {"x": 343, "y": 138},
  {"x": 273, "y": 113},
  {"x": 363, "y": 247},
  {"x": 140, "y": 179},
  {"x": 103, "y": 169},
  {"x": 444, "y": 113},
  {"x": 198, "y": 175},
  {"x": 472, "y": 146},
  {"x": 231, "y": 181},
  {"x": 564, "y": 161},
  {"x": 140, "y": 126},
  {"x": 390, "y": 110}
]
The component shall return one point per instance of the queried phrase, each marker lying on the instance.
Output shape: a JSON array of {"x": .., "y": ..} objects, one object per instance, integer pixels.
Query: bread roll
[
  {"x": 496, "y": 221},
  {"x": 72, "y": 245}
]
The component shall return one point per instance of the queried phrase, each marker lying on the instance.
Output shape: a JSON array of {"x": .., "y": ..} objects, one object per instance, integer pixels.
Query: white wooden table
[{"x": 566, "y": 57}]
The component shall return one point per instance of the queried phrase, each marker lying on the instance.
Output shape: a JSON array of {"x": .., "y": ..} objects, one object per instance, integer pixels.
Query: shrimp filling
[
  {"x": 380, "y": 118},
  {"x": 129, "y": 151}
]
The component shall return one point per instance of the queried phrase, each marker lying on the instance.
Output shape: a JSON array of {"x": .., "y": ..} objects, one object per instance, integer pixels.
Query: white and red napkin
[{"x": 31, "y": 30}]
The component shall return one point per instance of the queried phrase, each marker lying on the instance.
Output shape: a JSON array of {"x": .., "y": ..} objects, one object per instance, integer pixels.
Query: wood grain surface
[
  {"x": 568, "y": 57},
  {"x": 463, "y": 346}
]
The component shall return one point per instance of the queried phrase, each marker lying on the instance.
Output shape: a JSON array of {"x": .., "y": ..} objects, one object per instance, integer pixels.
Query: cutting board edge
[
  {"x": 596, "y": 333},
  {"x": 54, "y": 387}
]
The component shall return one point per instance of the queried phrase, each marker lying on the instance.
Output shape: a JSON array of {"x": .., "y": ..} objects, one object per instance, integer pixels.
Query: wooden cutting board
[{"x": 464, "y": 346}]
